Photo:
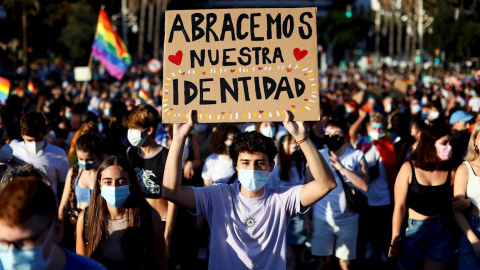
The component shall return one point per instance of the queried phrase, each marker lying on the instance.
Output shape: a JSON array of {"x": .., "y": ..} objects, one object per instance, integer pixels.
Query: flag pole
[{"x": 90, "y": 63}]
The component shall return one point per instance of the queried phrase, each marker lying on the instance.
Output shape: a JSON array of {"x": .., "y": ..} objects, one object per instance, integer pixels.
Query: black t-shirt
[{"x": 149, "y": 171}]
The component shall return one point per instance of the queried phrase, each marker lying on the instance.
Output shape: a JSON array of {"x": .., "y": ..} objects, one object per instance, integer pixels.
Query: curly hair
[
  {"x": 251, "y": 142},
  {"x": 219, "y": 136}
]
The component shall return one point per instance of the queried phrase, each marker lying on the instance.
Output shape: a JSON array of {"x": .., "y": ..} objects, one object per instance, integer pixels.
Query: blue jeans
[
  {"x": 466, "y": 255},
  {"x": 431, "y": 239}
]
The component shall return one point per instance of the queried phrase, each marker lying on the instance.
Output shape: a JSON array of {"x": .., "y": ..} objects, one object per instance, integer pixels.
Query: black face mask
[{"x": 334, "y": 142}]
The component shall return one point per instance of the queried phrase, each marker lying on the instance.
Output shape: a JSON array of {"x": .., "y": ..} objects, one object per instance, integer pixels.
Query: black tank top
[{"x": 429, "y": 200}]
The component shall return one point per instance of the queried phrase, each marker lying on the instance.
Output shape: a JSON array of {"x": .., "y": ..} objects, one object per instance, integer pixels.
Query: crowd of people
[{"x": 91, "y": 169}]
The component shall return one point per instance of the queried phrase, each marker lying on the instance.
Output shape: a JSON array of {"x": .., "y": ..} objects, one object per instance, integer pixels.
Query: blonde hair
[
  {"x": 471, "y": 152},
  {"x": 376, "y": 118}
]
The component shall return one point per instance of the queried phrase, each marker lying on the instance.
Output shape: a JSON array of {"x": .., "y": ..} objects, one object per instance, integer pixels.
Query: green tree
[
  {"x": 78, "y": 34},
  {"x": 458, "y": 37}
]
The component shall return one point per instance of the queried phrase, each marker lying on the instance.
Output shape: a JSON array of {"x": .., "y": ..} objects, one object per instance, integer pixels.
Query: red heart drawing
[
  {"x": 305, "y": 74},
  {"x": 177, "y": 58},
  {"x": 299, "y": 55},
  {"x": 171, "y": 109},
  {"x": 306, "y": 99},
  {"x": 260, "y": 111},
  {"x": 183, "y": 73},
  {"x": 223, "y": 112},
  {"x": 293, "y": 106},
  {"x": 289, "y": 69},
  {"x": 260, "y": 68},
  {"x": 232, "y": 70},
  {"x": 204, "y": 72},
  {"x": 165, "y": 92}
]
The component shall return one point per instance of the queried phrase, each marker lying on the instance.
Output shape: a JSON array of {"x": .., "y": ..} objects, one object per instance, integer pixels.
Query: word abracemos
[{"x": 241, "y": 26}]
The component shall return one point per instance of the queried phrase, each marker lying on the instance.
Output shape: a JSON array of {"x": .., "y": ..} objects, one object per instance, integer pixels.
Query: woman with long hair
[
  {"x": 423, "y": 187},
  {"x": 467, "y": 186},
  {"x": 290, "y": 172},
  {"x": 119, "y": 228}
]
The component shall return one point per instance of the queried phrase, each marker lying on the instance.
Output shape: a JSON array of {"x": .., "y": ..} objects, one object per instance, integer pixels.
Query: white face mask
[
  {"x": 434, "y": 114},
  {"x": 388, "y": 108},
  {"x": 6, "y": 153},
  {"x": 34, "y": 147},
  {"x": 268, "y": 131},
  {"x": 134, "y": 136},
  {"x": 375, "y": 135}
]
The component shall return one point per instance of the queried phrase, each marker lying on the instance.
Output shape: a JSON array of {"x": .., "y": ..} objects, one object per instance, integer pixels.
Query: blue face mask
[
  {"x": 115, "y": 196},
  {"x": 87, "y": 165},
  {"x": 252, "y": 180},
  {"x": 26, "y": 258},
  {"x": 106, "y": 112}
]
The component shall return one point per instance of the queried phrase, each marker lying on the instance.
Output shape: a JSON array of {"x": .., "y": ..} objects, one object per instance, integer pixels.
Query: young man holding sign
[{"x": 248, "y": 221}]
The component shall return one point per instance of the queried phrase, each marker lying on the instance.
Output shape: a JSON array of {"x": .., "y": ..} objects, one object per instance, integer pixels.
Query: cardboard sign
[
  {"x": 82, "y": 74},
  {"x": 241, "y": 65}
]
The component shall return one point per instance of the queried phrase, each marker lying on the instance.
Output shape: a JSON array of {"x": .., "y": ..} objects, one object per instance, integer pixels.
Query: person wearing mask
[
  {"x": 218, "y": 166},
  {"x": 333, "y": 227},
  {"x": 35, "y": 149},
  {"x": 423, "y": 188},
  {"x": 30, "y": 229},
  {"x": 119, "y": 228},
  {"x": 460, "y": 123},
  {"x": 289, "y": 172},
  {"x": 374, "y": 223},
  {"x": 466, "y": 188},
  {"x": 249, "y": 220},
  {"x": 79, "y": 184},
  {"x": 148, "y": 159}
]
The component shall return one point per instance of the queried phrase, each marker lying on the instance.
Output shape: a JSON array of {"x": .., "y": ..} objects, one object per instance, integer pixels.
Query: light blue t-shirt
[{"x": 247, "y": 233}]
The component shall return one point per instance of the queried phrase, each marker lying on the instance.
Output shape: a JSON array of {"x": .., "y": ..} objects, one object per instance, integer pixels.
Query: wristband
[{"x": 302, "y": 140}]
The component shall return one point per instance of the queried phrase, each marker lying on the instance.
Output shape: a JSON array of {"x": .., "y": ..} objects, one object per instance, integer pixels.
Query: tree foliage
[
  {"x": 78, "y": 34},
  {"x": 342, "y": 31}
]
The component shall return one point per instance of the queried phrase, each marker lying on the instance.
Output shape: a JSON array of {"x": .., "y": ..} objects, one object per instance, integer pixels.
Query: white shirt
[
  {"x": 333, "y": 207},
  {"x": 217, "y": 169},
  {"x": 51, "y": 160},
  {"x": 474, "y": 104}
]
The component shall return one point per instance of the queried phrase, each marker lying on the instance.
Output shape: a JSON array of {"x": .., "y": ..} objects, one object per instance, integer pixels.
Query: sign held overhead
[{"x": 241, "y": 65}]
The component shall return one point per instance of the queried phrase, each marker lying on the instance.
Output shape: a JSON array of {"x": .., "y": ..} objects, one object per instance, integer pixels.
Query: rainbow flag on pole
[
  {"x": 4, "y": 89},
  {"x": 109, "y": 49},
  {"x": 31, "y": 88}
]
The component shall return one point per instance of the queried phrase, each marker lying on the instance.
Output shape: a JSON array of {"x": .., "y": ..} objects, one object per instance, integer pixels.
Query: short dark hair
[
  {"x": 33, "y": 124},
  {"x": 336, "y": 123},
  {"x": 219, "y": 136},
  {"x": 425, "y": 155},
  {"x": 90, "y": 143},
  {"x": 251, "y": 142},
  {"x": 143, "y": 115}
]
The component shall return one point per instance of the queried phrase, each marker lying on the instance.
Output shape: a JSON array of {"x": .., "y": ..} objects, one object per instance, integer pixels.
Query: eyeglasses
[{"x": 28, "y": 242}]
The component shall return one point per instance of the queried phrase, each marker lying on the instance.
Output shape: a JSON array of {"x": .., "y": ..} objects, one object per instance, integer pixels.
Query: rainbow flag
[
  {"x": 143, "y": 95},
  {"x": 109, "y": 49},
  {"x": 31, "y": 88},
  {"x": 4, "y": 89}
]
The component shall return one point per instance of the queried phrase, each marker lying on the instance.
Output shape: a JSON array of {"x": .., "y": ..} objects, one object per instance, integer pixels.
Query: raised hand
[
  {"x": 183, "y": 129},
  {"x": 296, "y": 129}
]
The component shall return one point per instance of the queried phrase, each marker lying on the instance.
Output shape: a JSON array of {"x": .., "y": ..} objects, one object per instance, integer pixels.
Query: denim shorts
[
  {"x": 431, "y": 239},
  {"x": 466, "y": 255}
]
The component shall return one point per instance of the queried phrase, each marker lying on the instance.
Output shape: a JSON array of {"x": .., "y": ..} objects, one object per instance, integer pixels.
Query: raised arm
[
  {"x": 324, "y": 179},
  {"x": 353, "y": 131},
  {"x": 359, "y": 177},
  {"x": 172, "y": 177}
]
